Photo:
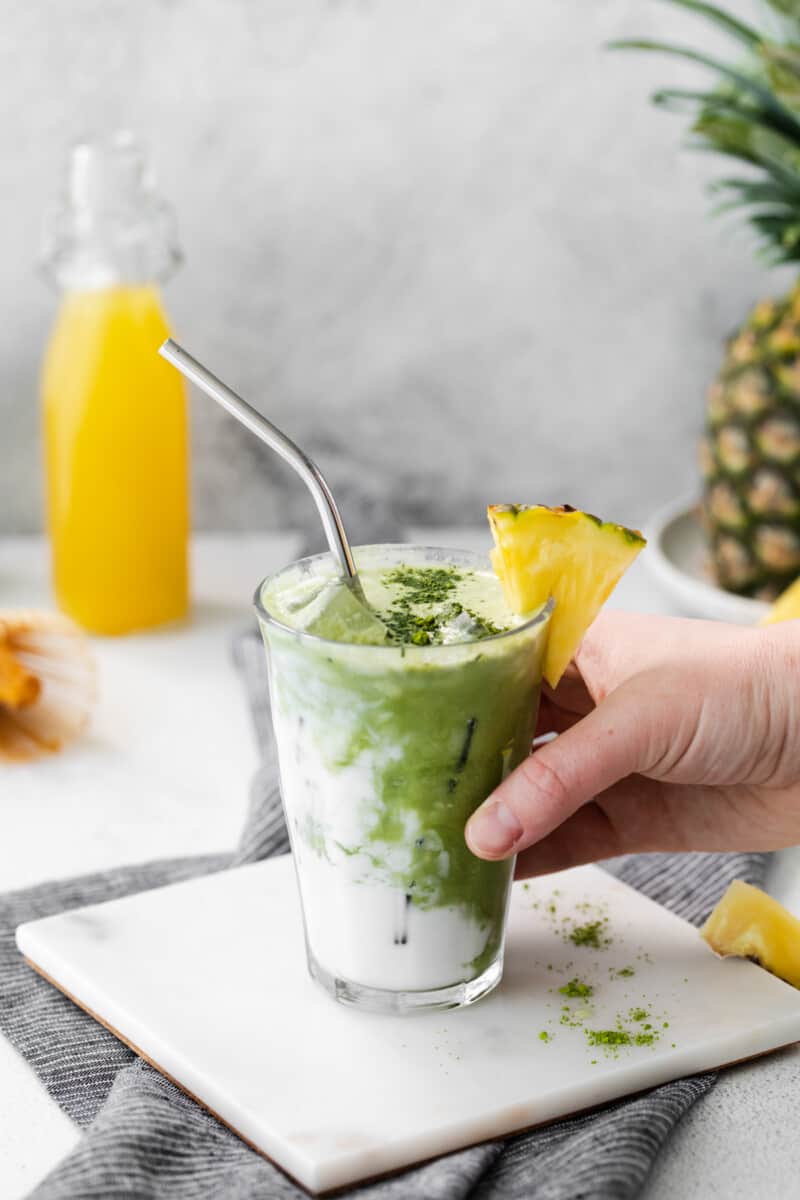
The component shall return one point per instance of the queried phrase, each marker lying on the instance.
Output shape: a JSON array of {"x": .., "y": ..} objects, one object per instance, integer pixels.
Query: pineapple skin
[
  {"x": 750, "y": 924},
  {"x": 750, "y": 454}
]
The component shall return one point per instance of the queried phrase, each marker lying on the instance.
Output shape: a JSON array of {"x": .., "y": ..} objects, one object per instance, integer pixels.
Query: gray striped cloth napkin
[{"x": 144, "y": 1139}]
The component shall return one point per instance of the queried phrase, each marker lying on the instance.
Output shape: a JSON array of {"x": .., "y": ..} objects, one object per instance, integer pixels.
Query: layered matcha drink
[{"x": 394, "y": 720}]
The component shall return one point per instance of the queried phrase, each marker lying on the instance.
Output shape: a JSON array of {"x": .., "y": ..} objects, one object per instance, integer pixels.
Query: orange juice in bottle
[{"x": 115, "y": 420}]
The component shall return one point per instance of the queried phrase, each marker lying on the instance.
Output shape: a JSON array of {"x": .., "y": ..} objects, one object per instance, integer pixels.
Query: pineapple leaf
[
  {"x": 783, "y": 211},
  {"x": 726, "y": 135},
  {"x": 782, "y": 65},
  {"x": 782, "y": 235},
  {"x": 729, "y": 105},
  {"x": 738, "y": 29},
  {"x": 754, "y": 191},
  {"x": 751, "y": 114},
  {"x": 736, "y": 137},
  {"x": 788, "y": 8},
  {"x": 788, "y": 179},
  {"x": 784, "y": 118}
]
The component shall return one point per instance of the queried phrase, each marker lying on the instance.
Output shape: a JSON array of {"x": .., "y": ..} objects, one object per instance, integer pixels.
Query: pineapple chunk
[
  {"x": 749, "y": 923},
  {"x": 560, "y": 552},
  {"x": 786, "y": 607}
]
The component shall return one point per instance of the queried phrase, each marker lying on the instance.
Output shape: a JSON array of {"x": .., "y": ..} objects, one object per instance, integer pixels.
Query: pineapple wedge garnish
[
  {"x": 560, "y": 552},
  {"x": 786, "y": 607},
  {"x": 750, "y": 924}
]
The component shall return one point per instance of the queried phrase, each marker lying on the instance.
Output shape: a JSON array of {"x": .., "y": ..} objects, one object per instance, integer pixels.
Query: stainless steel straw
[{"x": 308, "y": 470}]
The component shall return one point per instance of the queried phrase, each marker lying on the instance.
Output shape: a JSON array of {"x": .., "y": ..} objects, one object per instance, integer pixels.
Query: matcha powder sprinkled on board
[
  {"x": 610, "y": 1041},
  {"x": 586, "y": 924},
  {"x": 592, "y": 934},
  {"x": 575, "y": 989},
  {"x": 608, "y": 1037}
]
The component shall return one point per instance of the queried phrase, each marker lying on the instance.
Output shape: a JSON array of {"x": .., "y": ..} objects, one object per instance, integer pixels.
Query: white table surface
[{"x": 165, "y": 771}]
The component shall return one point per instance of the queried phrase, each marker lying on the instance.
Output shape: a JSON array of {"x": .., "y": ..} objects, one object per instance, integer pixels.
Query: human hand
[{"x": 674, "y": 735}]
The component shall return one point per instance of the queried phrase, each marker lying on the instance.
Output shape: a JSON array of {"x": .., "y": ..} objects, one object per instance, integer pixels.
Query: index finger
[{"x": 619, "y": 645}]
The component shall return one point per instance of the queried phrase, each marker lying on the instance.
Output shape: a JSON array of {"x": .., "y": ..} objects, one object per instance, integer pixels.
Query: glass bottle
[{"x": 115, "y": 419}]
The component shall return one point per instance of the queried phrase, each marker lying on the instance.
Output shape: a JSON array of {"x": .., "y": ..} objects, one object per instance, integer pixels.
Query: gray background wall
[{"x": 448, "y": 245}]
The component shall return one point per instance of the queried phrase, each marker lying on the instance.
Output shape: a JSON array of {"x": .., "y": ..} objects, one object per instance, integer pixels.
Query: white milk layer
[{"x": 359, "y": 927}]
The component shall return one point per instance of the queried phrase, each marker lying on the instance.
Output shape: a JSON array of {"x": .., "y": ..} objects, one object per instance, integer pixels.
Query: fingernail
[{"x": 493, "y": 829}]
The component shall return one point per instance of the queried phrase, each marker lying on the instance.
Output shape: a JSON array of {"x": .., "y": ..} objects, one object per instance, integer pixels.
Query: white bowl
[{"x": 677, "y": 557}]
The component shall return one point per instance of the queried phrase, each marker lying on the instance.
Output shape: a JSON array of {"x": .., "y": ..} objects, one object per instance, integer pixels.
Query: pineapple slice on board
[
  {"x": 750, "y": 924},
  {"x": 561, "y": 552},
  {"x": 786, "y": 607}
]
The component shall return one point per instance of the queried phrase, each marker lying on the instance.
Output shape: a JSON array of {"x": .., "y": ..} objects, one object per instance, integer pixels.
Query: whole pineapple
[{"x": 750, "y": 454}]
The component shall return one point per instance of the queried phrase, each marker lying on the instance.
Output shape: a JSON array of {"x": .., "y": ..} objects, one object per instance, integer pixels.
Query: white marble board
[{"x": 207, "y": 979}]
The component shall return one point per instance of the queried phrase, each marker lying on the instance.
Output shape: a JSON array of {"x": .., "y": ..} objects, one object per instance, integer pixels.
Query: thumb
[{"x": 628, "y": 733}]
